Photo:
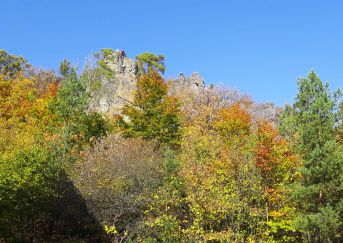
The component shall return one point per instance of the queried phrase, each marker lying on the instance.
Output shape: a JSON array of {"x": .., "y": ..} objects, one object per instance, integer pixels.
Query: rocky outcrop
[
  {"x": 193, "y": 84},
  {"x": 113, "y": 93}
]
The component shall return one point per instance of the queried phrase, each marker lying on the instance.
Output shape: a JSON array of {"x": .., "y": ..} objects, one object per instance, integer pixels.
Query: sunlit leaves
[
  {"x": 149, "y": 62},
  {"x": 312, "y": 133},
  {"x": 24, "y": 111},
  {"x": 153, "y": 114},
  {"x": 11, "y": 65}
]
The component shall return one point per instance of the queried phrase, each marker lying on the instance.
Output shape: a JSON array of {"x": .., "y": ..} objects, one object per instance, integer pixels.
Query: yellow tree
[
  {"x": 27, "y": 173},
  {"x": 278, "y": 166},
  {"x": 231, "y": 180},
  {"x": 24, "y": 111},
  {"x": 215, "y": 194}
]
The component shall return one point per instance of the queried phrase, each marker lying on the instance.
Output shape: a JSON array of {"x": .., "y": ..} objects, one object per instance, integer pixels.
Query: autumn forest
[{"x": 170, "y": 166}]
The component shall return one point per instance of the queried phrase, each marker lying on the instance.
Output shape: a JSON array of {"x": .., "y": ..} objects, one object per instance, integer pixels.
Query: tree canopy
[
  {"x": 148, "y": 61},
  {"x": 11, "y": 65},
  {"x": 153, "y": 113},
  {"x": 312, "y": 119},
  {"x": 170, "y": 166}
]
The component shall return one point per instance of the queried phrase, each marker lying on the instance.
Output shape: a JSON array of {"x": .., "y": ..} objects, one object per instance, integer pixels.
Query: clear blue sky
[{"x": 259, "y": 47}]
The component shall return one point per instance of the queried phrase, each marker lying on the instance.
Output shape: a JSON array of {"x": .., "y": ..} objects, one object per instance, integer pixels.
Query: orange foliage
[
  {"x": 268, "y": 140},
  {"x": 52, "y": 89},
  {"x": 233, "y": 120},
  {"x": 273, "y": 156},
  {"x": 24, "y": 111}
]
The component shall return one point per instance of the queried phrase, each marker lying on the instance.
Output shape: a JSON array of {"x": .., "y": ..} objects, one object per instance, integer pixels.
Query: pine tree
[
  {"x": 70, "y": 108},
  {"x": 148, "y": 61},
  {"x": 65, "y": 68},
  {"x": 310, "y": 122}
]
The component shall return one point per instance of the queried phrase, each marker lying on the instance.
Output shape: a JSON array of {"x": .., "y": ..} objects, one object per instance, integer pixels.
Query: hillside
[{"x": 116, "y": 153}]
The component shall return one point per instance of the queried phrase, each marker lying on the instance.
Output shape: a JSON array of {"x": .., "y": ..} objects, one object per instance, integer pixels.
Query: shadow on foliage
[{"x": 62, "y": 217}]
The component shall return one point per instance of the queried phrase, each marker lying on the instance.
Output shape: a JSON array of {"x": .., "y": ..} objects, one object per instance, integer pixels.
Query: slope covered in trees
[{"x": 187, "y": 167}]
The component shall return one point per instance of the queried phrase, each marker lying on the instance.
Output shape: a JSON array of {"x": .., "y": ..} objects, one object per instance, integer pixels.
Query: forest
[{"x": 181, "y": 167}]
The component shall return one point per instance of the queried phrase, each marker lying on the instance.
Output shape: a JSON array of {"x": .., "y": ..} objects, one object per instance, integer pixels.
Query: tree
[
  {"x": 70, "y": 107},
  {"x": 24, "y": 112},
  {"x": 278, "y": 165},
  {"x": 27, "y": 189},
  {"x": 148, "y": 61},
  {"x": 44, "y": 79},
  {"x": 153, "y": 114},
  {"x": 97, "y": 69},
  {"x": 340, "y": 124},
  {"x": 168, "y": 212},
  {"x": 213, "y": 191},
  {"x": 116, "y": 178},
  {"x": 311, "y": 121},
  {"x": 234, "y": 122},
  {"x": 103, "y": 58},
  {"x": 229, "y": 181},
  {"x": 65, "y": 68},
  {"x": 37, "y": 201},
  {"x": 11, "y": 65}
]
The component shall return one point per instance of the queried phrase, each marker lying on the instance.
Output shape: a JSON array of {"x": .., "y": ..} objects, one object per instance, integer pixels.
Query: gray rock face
[
  {"x": 122, "y": 65},
  {"x": 193, "y": 84},
  {"x": 114, "y": 93}
]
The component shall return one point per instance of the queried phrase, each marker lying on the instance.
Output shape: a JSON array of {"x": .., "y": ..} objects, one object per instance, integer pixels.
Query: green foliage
[
  {"x": 322, "y": 226},
  {"x": 148, "y": 61},
  {"x": 339, "y": 129},
  {"x": 230, "y": 176},
  {"x": 310, "y": 124},
  {"x": 214, "y": 189},
  {"x": 153, "y": 114},
  {"x": 11, "y": 65},
  {"x": 94, "y": 76},
  {"x": 65, "y": 68},
  {"x": 167, "y": 207},
  {"x": 70, "y": 107},
  {"x": 103, "y": 57},
  {"x": 27, "y": 185},
  {"x": 117, "y": 183},
  {"x": 37, "y": 200}
]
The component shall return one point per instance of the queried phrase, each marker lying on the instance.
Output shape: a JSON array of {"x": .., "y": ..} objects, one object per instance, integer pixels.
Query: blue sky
[{"x": 259, "y": 47}]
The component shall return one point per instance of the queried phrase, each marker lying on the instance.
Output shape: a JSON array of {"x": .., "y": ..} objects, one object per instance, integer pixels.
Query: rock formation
[
  {"x": 114, "y": 93},
  {"x": 192, "y": 84}
]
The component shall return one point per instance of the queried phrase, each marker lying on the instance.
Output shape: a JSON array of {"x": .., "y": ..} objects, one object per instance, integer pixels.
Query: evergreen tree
[
  {"x": 310, "y": 122},
  {"x": 70, "y": 107},
  {"x": 148, "y": 61},
  {"x": 65, "y": 68}
]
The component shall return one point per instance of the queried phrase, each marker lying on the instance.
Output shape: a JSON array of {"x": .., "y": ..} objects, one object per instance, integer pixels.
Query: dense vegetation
[{"x": 184, "y": 168}]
